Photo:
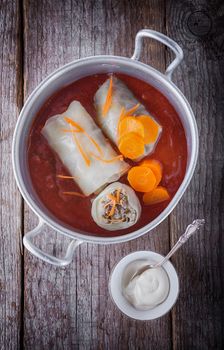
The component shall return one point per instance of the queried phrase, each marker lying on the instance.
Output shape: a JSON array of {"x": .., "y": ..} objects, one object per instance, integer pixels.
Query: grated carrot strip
[
  {"x": 66, "y": 177},
  {"x": 108, "y": 101},
  {"x": 111, "y": 197},
  {"x": 118, "y": 195},
  {"x": 75, "y": 194},
  {"x": 83, "y": 153},
  {"x": 95, "y": 143},
  {"x": 114, "y": 159},
  {"x": 74, "y": 124},
  {"x": 80, "y": 129},
  {"x": 111, "y": 213},
  {"x": 71, "y": 130},
  {"x": 122, "y": 115},
  {"x": 132, "y": 110},
  {"x": 106, "y": 205},
  {"x": 117, "y": 220}
]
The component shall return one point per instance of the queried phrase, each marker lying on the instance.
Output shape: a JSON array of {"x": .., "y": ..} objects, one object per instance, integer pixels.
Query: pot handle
[
  {"x": 27, "y": 241},
  {"x": 148, "y": 33}
]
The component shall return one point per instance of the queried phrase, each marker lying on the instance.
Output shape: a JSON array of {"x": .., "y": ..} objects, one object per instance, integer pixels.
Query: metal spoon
[{"x": 190, "y": 230}]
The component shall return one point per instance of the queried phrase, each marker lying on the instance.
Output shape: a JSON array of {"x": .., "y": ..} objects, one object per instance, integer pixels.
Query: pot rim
[{"x": 188, "y": 175}]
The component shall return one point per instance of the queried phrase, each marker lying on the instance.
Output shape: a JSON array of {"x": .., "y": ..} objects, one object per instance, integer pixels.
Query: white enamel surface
[
  {"x": 89, "y": 178},
  {"x": 98, "y": 207},
  {"x": 122, "y": 97},
  {"x": 147, "y": 290},
  {"x": 116, "y": 287}
]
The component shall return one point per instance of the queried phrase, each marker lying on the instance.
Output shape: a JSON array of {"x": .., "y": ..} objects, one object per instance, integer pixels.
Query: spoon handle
[{"x": 190, "y": 230}]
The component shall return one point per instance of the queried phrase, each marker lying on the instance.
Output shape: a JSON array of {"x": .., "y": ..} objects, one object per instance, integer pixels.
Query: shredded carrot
[
  {"x": 106, "y": 205},
  {"x": 118, "y": 195},
  {"x": 83, "y": 153},
  {"x": 74, "y": 124},
  {"x": 125, "y": 113},
  {"x": 113, "y": 201},
  {"x": 132, "y": 110},
  {"x": 111, "y": 160},
  {"x": 116, "y": 220},
  {"x": 108, "y": 101},
  {"x": 122, "y": 115},
  {"x": 80, "y": 129},
  {"x": 95, "y": 143},
  {"x": 75, "y": 194},
  {"x": 111, "y": 213},
  {"x": 71, "y": 130},
  {"x": 66, "y": 177},
  {"x": 111, "y": 197}
]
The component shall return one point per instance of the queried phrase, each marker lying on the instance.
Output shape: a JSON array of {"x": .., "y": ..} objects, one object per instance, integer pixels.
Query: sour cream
[{"x": 147, "y": 290}]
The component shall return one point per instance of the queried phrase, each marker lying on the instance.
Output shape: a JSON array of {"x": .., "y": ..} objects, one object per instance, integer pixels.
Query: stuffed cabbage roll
[
  {"x": 83, "y": 149},
  {"x": 117, "y": 207},
  {"x": 124, "y": 100}
]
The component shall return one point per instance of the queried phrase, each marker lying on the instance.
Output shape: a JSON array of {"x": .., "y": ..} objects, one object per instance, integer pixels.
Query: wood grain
[
  {"x": 70, "y": 307},
  {"x": 10, "y": 199},
  {"x": 198, "y": 321}
]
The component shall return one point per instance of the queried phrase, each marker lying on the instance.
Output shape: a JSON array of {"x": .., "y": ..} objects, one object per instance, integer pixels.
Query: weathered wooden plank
[
  {"x": 71, "y": 307},
  {"x": 10, "y": 199},
  {"x": 198, "y": 316}
]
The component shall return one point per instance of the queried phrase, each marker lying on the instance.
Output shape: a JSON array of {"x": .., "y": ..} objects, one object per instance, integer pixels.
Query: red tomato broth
[{"x": 45, "y": 165}]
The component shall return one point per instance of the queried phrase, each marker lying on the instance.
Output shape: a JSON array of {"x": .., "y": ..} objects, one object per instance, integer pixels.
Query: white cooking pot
[{"x": 68, "y": 74}]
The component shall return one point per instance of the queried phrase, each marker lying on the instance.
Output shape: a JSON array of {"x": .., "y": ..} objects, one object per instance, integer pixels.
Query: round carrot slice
[
  {"x": 130, "y": 124},
  {"x": 156, "y": 168},
  {"x": 151, "y": 128},
  {"x": 131, "y": 145},
  {"x": 158, "y": 195},
  {"x": 141, "y": 178}
]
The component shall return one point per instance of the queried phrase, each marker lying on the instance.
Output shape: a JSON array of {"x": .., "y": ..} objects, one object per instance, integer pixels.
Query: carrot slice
[
  {"x": 131, "y": 145},
  {"x": 142, "y": 179},
  {"x": 156, "y": 168},
  {"x": 158, "y": 195},
  {"x": 130, "y": 124},
  {"x": 151, "y": 128},
  {"x": 108, "y": 101}
]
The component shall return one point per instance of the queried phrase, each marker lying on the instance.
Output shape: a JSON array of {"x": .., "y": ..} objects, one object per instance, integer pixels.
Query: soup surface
[{"x": 44, "y": 164}]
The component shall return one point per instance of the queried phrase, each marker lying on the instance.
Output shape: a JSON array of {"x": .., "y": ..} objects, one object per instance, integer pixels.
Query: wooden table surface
[{"x": 44, "y": 307}]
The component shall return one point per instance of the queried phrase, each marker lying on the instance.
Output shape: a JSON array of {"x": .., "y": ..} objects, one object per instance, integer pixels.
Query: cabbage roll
[
  {"x": 83, "y": 149},
  {"x": 122, "y": 97},
  {"x": 117, "y": 207}
]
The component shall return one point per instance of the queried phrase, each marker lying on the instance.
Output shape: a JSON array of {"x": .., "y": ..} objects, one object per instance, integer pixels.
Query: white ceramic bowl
[{"x": 115, "y": 287}]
